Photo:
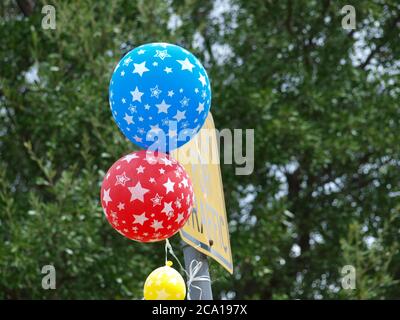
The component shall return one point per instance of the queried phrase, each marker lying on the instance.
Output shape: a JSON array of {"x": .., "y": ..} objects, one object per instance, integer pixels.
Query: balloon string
[
  {"x": 168, "y": 248},
  {"x": 194, "y": 269}
]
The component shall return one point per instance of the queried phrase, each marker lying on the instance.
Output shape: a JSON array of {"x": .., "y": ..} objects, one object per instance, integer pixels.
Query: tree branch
[
  {"x": 288, "y": 21},
  {"x": 26, "y": 6},
  {"x": 379, "y": 46}
]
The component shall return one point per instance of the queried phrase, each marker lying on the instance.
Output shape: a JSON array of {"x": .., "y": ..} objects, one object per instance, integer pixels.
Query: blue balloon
[{"x": 160, "y": 96}]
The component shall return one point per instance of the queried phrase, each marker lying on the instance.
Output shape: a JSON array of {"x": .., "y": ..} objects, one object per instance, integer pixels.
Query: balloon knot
[{"x": 168, "y": 263}]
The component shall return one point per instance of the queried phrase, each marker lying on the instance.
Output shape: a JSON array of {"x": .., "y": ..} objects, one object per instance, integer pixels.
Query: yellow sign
[{"x": 207, "y": 228}]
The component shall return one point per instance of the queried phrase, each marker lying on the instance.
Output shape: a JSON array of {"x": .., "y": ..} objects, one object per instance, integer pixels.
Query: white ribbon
[{"x": 194, "y": 269}]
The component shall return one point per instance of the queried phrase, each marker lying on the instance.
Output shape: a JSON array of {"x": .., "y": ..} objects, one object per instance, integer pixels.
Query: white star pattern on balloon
[
  {"x": 106, "y": 196},
  {"x": 200, "y": 108},
  {"x": 168, "y": 209},
  {"x": 140, "y": 68},
  {"x": 169, "y": 186},
  {"x": 180, "y": 115},
  {"x": 137, "y": 95},
  {"x": 140, "y": 169},
  {"x": 179, "y": 218},
  {"x": 185, "y": 182},
  {"x": 115, "y": 223},
  {"x": 162, "y": 295},
  {"x": 156, "y": 200},
  {"x": 202, "y": 79},
  {"x": 166, "y": 161},
  {"x": 186, "y": 65},
  {"x": 163, "y": 107},
  {"x": 157, "y": 225},
  {"x": 137, "y": 192},
  {"x": 155, "y": 92},
  {"x": 184, "y": 102},
  {"x": 114, "y": 215},
  {"x": 141, "y": 218},
  {"x": 127, "y": 61},
  {"x": 168, "y": 70},
  {"x": 128, "y": 119},
  {"x": 122, "y": 179},
  {"x": 188, "y": 199},
  {"x": 177, "y": 203},
  {"x": 162, "y": 54}
]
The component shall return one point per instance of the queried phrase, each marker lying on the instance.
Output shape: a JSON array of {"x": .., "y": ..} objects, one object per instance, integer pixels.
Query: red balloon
[{"x": 147, "y": 196}]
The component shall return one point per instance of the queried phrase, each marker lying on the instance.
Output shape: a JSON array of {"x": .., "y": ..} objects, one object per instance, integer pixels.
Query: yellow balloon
[{"x": 164, "y": 283}]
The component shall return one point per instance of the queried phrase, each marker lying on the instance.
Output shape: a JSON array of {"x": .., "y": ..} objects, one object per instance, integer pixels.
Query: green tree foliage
[{"x": 324, "y": 103}]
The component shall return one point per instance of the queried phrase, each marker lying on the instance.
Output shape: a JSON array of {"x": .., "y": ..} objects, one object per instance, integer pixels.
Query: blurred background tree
[{"x": 324, "y": 103}]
